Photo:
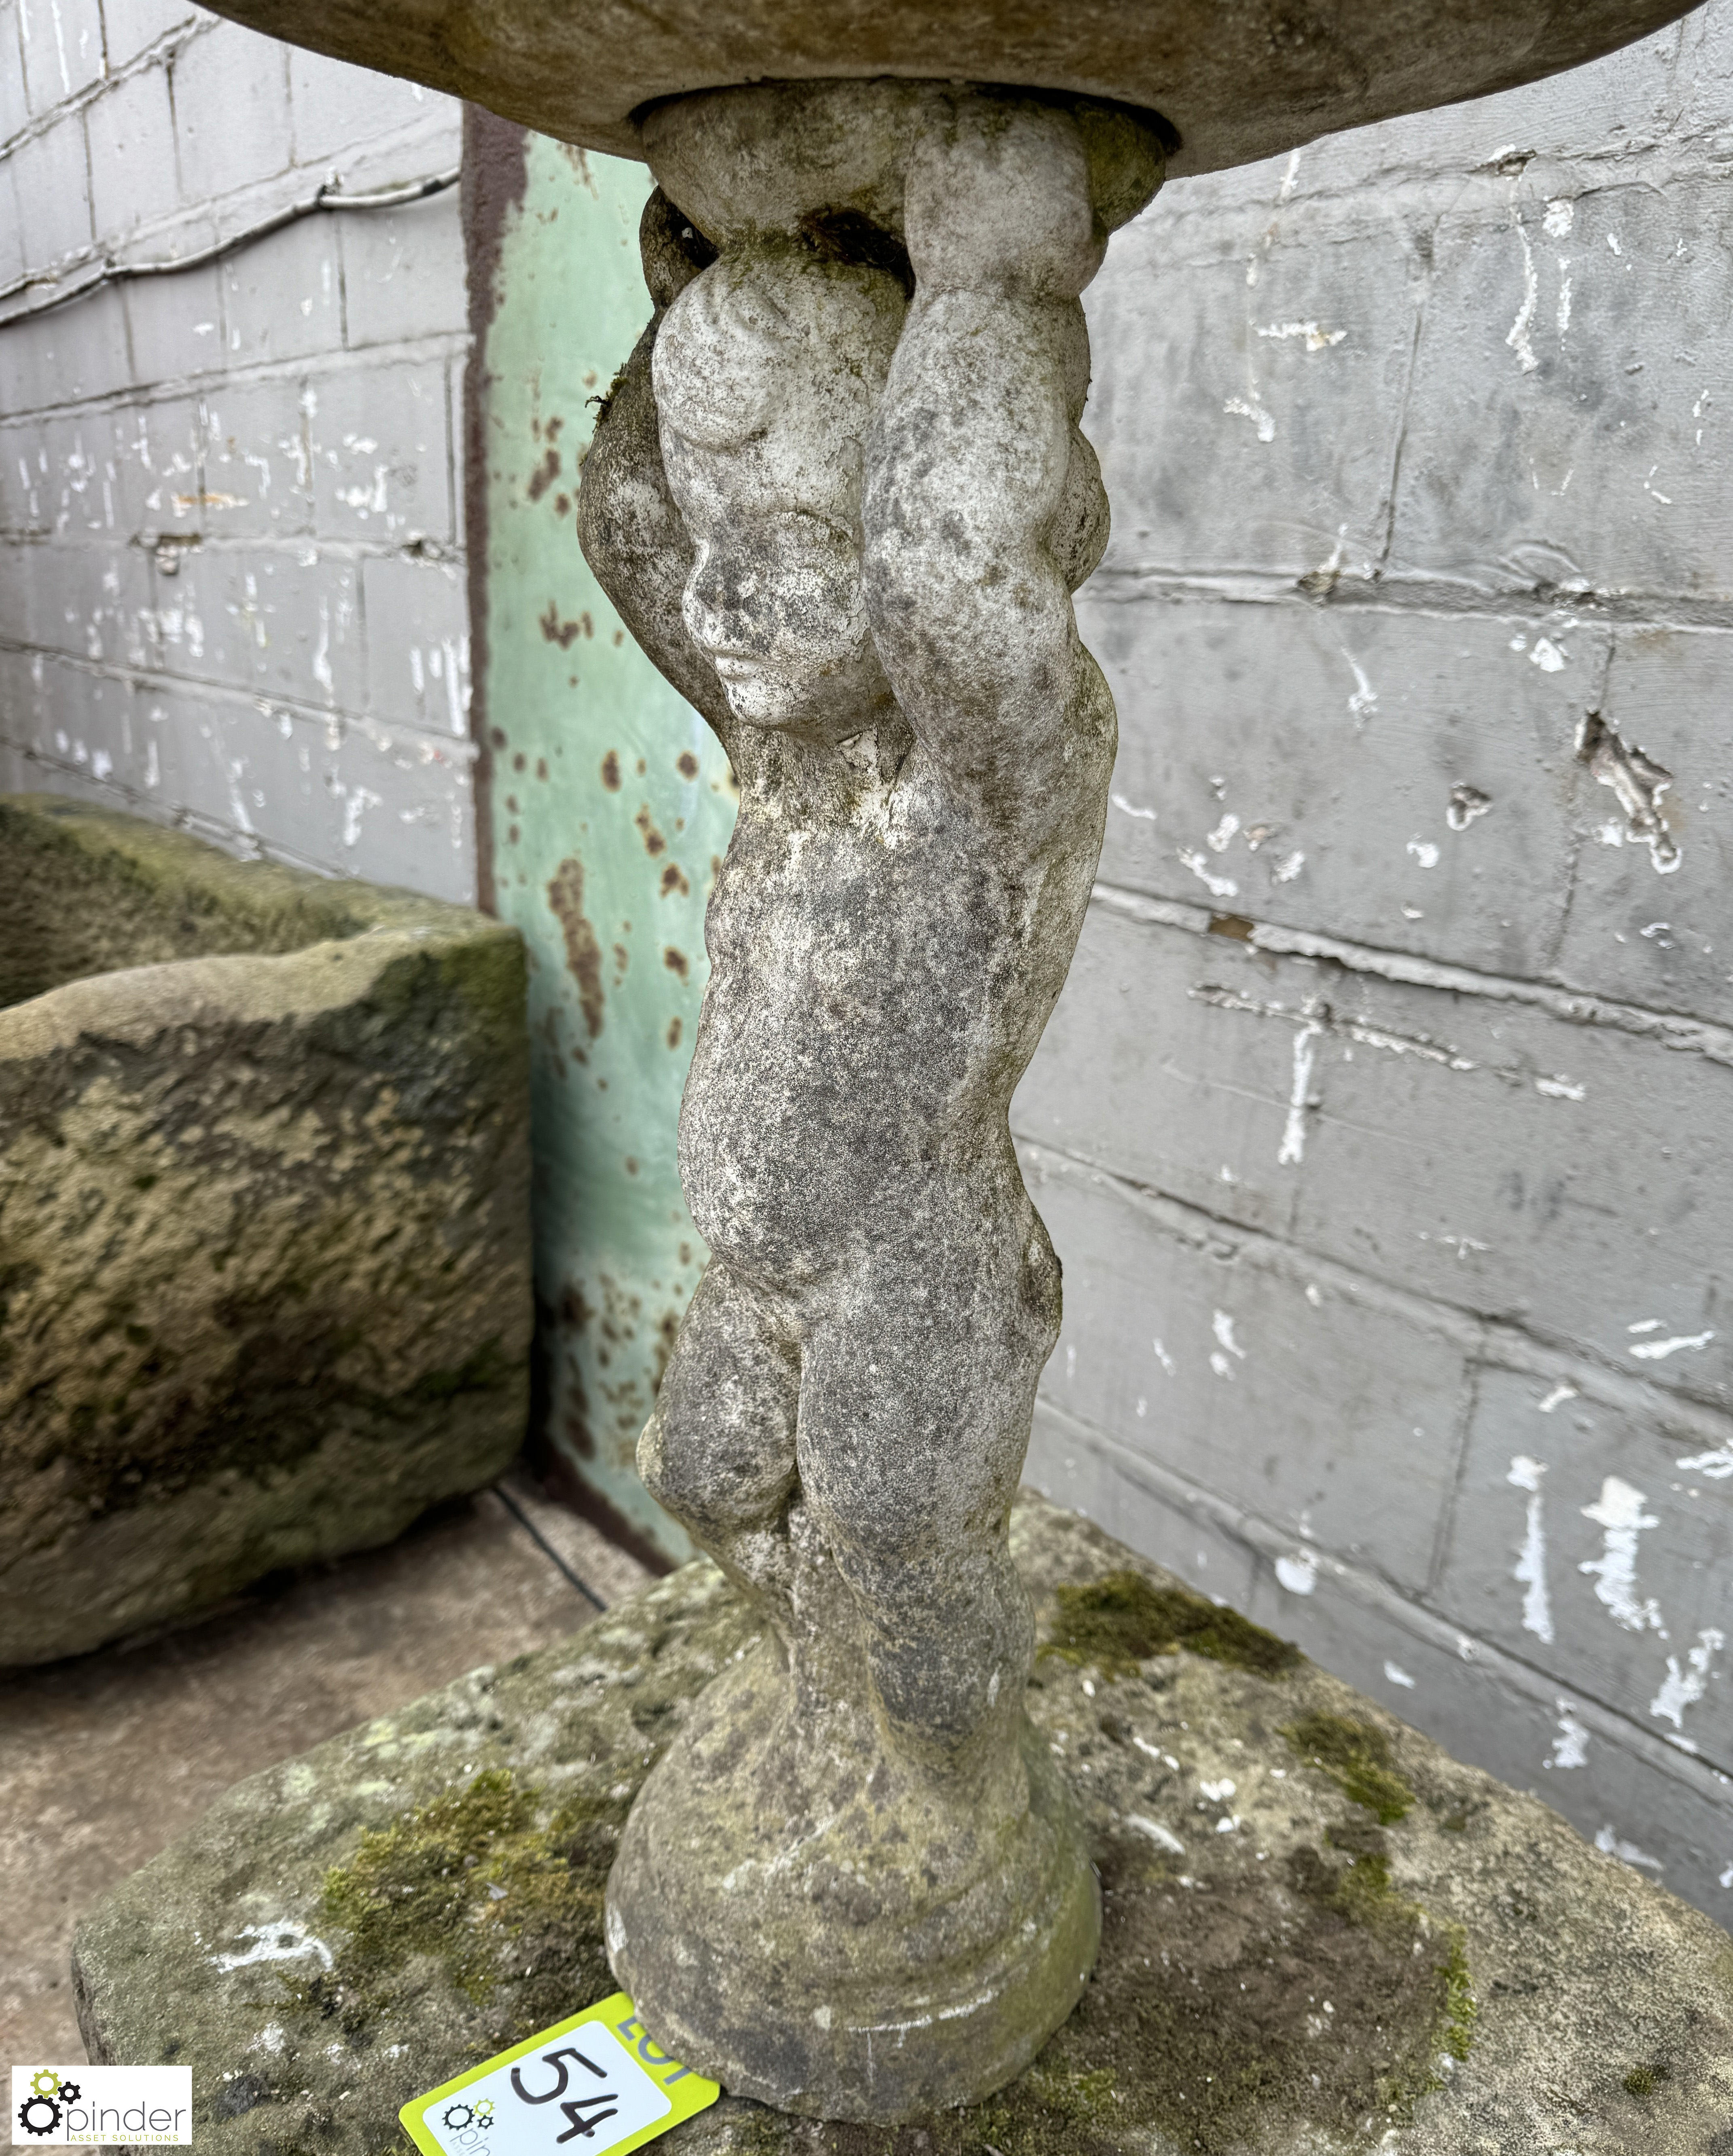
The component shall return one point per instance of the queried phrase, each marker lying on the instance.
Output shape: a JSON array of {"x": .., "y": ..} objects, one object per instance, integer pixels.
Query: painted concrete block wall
[
  {"x": 231, "y": 563},
  {"x": 1383, "y": 1127}
]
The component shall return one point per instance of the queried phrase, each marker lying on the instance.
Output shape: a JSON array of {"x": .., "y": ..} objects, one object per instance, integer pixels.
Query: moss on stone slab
[
  {"x": 1119, "y": 1621},
  {"x": 1219, "y": 2011},
  {"x": 1212, "y": 2015},
  {"x": 472, "y": 1880},
  {"x": 1355, "y": 1755}
]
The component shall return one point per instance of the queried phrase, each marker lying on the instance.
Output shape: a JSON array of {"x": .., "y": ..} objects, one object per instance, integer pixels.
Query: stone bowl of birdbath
[
  {"x": 840, "y": 495},
  {"x": 1233, "y": 79}
]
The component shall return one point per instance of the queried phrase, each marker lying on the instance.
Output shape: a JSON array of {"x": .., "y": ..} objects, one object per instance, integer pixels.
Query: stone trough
[
  {"x": 1321, "y": 1934},
  {"x": 264, "y": 1219}
]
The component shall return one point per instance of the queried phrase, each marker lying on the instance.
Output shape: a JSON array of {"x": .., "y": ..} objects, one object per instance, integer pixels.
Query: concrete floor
[{"x": 105, "y": 1758}]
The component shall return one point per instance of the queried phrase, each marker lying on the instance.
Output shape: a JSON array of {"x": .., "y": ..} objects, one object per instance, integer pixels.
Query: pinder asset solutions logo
[{"x": 96, "y": 2105}]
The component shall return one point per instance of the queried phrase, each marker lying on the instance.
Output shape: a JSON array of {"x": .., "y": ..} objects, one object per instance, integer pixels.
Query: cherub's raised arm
[
  {"x": 628, "y": 526},
  {"x": 984, "y": 509}
]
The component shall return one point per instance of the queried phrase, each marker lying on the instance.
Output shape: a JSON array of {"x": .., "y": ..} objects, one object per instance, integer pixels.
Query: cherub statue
[{"x": 840, "y": 496}]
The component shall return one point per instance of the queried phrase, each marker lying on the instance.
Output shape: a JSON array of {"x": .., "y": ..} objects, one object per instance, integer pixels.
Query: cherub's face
[
  {"x": 766, "y": 370},
  {"x": 775, "y": 600}
]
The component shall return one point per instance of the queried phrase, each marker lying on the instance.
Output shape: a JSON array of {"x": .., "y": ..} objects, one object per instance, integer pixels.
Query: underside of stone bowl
[{"x": 1233, "y": 80}]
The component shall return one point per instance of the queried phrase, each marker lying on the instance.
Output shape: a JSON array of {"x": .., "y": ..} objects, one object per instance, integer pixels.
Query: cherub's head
[{"x": 766, "y": 369}]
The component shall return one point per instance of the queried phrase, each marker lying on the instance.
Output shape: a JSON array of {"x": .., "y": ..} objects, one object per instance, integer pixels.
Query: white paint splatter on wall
[
  {"x": 1656, "y": 1351},
  {"x": 1570, "y": 1748},
  {"x": 1293, "y": 1150},
  {"x": 1684, "y": 1688},
  {"x": 1517, "y": 336},
  {"x": 1715, "y": 1466},
  {"x": 1531, "y": 1573},
  {"x": 1239, "y": 407},
  {"x": 1619, "y": 1512},
  {"x": 1608, "y": 1842},
  {"x": 1218, "y": 886},
  {"x": 1222, "y": 1326}
]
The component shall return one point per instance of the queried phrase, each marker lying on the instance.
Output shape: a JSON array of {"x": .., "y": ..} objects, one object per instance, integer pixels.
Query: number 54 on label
[{"x": 597, "y": 2085}]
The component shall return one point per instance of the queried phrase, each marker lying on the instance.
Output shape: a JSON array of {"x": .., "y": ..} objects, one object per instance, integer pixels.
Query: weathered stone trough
[{"x": 264, "y": 1250}]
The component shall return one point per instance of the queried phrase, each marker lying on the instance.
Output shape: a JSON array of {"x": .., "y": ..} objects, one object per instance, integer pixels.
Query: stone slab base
[{"x": 1321, "y": 1933}]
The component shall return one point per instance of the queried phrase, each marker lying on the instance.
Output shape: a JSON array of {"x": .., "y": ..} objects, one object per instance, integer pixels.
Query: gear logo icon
[
  {"x": 39, "y": 2114},
  {"x": 455, "y": 2117},
  {"x": 41, "y": 2111}
]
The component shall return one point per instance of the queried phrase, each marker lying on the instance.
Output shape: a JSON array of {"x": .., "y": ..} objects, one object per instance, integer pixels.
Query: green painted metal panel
[{"x": 610, "y": 806}]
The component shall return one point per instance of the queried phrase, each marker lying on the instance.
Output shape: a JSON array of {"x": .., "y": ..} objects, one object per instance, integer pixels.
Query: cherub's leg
[
  {"x": 915, "y": 1406},
  {"x": 718, "y": 1453}
]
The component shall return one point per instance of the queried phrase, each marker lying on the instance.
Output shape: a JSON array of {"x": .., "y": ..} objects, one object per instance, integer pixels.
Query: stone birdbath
[{"x": 840, "y": 494}]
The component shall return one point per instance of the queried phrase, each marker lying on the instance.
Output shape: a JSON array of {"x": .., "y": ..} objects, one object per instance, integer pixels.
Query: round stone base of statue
[{"x": 799, "y": 1913}]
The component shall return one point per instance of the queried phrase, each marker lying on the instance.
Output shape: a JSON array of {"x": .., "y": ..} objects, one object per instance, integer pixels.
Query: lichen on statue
[{"x": 841, "y": 495}]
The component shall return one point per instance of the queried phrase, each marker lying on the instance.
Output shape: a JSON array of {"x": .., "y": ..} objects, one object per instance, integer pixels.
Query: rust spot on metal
[
  {"x": 1235, "y": 924},
  {"x": 519, "y": 760},
  {"x": 674, "y": 878},
  {"x": 622, "y": 959},
  {"x": 610, "y": 771},
  {"x": 545, "y": 474},
  {"x": 496, "y": 176},
  {"x": 564, "y": 632},
  {"x": 686, "y": 764},
  {"x": 667, "y": 1331},
  {"x": 562, "y": 505},
  {"x": 631, "y": 1165},
  {"x": 676, "y": 961},
  {"x": 674, "y": 1031},
  {"x": 584, "y": 954},
  {"x": 654, "y": 842},
  {"x": 549, "y": 1030}
]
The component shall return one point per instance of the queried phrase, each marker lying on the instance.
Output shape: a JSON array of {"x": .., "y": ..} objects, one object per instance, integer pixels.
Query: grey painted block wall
[
  {"x": 231, "y": 563},
  {"x": 1383, "y": 1127}
]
